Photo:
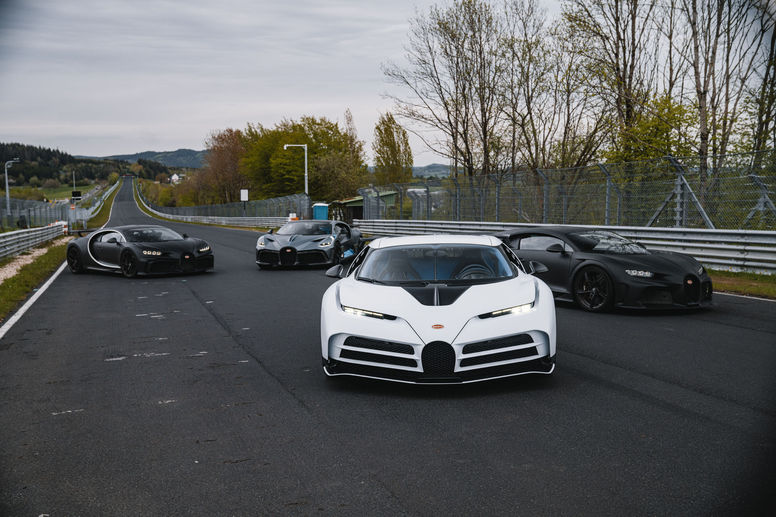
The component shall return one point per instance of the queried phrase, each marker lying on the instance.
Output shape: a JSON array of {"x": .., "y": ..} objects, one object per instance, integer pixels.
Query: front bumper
[
  {"x": 187, "y": 263},
  {"x": 688, "y": 292},
  {"x": 289, "y": 256}
]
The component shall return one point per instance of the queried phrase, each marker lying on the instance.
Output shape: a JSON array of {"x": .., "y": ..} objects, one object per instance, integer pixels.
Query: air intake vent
[{"x": 438, "y": 358}]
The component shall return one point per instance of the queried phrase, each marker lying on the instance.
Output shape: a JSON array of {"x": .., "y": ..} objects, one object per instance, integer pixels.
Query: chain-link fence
[
  {"x": 732, "y": 191},
  {"x": 23, "y": 213},
  {"x": 298, "y": 204}
]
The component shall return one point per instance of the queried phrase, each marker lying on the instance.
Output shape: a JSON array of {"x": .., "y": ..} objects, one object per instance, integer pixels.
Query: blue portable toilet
[{"x": 320, "y": 211}]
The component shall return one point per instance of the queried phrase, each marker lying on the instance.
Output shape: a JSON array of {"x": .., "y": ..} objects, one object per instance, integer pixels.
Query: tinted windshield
[
  {"x": 606, "y": 242},
  {"x": 452, "y": 264},
  {"x": 305, "y": 228},
  {"x": 159, "y": 234}
]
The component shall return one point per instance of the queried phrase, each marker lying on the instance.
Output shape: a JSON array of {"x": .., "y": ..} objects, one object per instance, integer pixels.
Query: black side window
[{"x": 539, "y": 242}]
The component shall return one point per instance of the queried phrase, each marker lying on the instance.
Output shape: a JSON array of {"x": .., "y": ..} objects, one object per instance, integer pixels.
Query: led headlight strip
[
  {"x": 370, "y": 314},
  {"x": 510, "y": 310}
]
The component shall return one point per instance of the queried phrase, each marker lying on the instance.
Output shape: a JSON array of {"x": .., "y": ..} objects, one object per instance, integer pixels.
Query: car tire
[
  {"x": 593, "y": 289},
  {"x": 74, "y": 261},
  {"x": 128, "y": 264}
]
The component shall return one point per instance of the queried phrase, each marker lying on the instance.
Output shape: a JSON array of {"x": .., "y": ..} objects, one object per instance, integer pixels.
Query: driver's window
[
  {"x": 343, "y": 230},
  {"x": 110, "y": 237},
  {"x": 539, "y": 242}
]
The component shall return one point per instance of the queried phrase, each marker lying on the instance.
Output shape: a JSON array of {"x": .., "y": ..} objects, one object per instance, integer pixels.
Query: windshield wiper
[{"x": 371, "y": 280}]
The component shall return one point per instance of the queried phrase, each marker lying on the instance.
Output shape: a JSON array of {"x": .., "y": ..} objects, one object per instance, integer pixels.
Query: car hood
[
  {"x": 400, "y": 302},
  {"x": 659, "y": 262},
  {"x": 295, "y": 241}
]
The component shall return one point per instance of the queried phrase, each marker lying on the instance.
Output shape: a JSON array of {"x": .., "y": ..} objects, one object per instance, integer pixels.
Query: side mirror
[
  {"x": 537, "y": 267},
  {"x": 185, "y": 235},
  {"x": 555, "y": 248},
  {"x": 335, "y": 271},
  {"x": 271, "y": 230}
]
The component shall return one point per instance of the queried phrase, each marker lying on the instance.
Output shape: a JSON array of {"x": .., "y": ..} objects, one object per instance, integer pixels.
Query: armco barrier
[
  {"x": 254, "y": 222},
  {"x": 12, "y": 243},
  {"x": 735, "y": 250}
]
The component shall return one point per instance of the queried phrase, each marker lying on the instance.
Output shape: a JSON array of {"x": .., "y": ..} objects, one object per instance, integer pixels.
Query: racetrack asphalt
[{"x": 204, "y": 395}]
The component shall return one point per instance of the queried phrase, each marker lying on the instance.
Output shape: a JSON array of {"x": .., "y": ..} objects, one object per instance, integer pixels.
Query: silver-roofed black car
[{"x": 599, "y": 269}]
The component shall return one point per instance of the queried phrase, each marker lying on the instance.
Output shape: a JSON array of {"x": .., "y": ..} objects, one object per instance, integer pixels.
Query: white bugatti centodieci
[{"x": 438, "y": 309}]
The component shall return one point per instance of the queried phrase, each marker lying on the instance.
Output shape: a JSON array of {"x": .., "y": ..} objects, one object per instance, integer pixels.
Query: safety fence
[
  {"x": 24, "y": 213},
  {"x": 279, "y": 207},
  {"x": 15, "y": 242},
  {"x": 734, "y": 250},
  {"x": 223, "y": 220},
  {"x": 731, "y": 191}
]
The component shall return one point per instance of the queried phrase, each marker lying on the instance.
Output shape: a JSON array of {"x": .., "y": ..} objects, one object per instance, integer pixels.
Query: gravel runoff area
[{"x": 11, "y": 268}]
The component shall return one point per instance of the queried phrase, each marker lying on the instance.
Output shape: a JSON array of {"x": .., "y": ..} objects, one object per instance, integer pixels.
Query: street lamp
[
  {"x": 305, "y": 162},
  {"x": 8, "y": 165}
]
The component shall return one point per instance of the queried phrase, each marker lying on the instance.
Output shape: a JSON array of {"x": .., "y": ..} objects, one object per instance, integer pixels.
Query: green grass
[
  {"x": 61, "y": 192},
  {"x": 752, "y": 284},
  {"x": 101, "y": 217},
  {"x": 15, "y": 290}
]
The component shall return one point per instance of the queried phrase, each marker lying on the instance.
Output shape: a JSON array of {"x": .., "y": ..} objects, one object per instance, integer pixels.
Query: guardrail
[
  {"x": 12, "y": 243},
  {"x": 734, "y": 250},
  {"x": 220, "y": 220}
]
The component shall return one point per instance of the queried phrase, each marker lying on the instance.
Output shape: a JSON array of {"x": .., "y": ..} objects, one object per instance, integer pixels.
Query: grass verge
[
  {"x": 752, "y": 284},
  {"x": 15, "y": 290}
]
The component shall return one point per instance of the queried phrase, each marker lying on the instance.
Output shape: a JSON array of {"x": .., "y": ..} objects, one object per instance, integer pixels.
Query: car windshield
[
  {"x": 158, "y": 234},
  {"x": 305, "y": 228},
  {"x": 458, "y": 264},
  {"x": 606, "y": 242}
]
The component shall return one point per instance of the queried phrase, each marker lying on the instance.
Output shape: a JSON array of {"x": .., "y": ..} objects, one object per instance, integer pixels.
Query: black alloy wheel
[
  {"x": 74, "y": 260},
  {"x": 128, "y": 264},
  {"x": 593, "y": 289}
]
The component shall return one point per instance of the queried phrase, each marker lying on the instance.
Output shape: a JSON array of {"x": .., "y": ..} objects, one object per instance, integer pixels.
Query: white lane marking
[
  {"x": 120, "y": 358},
  {"x": 151, "y": 354},
  {"x": 66, "y": 412},
  {"x": 141, "y": 315},
  {"x": 209, "y": 301},
  {"x": 161, "y": 402},
  {"x": 13, "y": 319},
  {"x": 16, "y": 317},
  {"x": 142, "y": 297},
  {"x": 246, "y": 328},
  {"x": 745, "y": 296},
  {"x": 244, "y": 361},
  {"x": 161, "y": 338}
]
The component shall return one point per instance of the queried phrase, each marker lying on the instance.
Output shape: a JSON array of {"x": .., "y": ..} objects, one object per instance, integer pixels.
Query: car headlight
[
  {"x": 327, "y": 242},
  {"x": 370, "y": 314},
  {"x": 204, "y": 248},
  {"x": 152, "y": 252},
  {"x": 260, "y": 242},
  {"x": 509, "y": 310},
  {"x": 640, "y": 273}
]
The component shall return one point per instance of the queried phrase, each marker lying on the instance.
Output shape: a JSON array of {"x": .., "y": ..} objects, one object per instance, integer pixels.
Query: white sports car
[{"x": 438, "y": 309}]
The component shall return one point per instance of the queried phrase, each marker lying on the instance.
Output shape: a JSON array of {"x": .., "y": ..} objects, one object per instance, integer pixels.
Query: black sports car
[
  {"x": 599, "y": 269},
  {"x": 307, "y": 243},
  {"x": 138, "y": 249}
]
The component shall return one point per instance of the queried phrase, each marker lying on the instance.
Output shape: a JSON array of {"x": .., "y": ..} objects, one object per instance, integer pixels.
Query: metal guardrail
[
  {"x": 220, "y": 220},
  {"x": 734, "y": 250},
  {"x": 12, "y": 243}
]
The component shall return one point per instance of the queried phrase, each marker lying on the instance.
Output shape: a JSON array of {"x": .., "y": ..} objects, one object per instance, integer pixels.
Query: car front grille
[
  {"x": 311, "y": 257},
  {"x": 438, "y": 358},
  {"x": 287, "y": 256},
  {"x": 267, "y": 257}
]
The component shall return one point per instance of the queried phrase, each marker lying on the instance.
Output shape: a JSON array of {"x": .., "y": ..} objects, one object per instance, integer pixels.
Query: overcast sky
[{"x": 104, "y": 77}]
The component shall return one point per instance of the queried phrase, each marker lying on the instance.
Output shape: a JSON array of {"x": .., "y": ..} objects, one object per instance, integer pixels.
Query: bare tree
[
  {"x": 764, "y": 95},
  {"x": 452, "y": 76}
]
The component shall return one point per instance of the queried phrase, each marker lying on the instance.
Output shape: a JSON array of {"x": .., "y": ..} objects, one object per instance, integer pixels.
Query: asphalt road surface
[{"x": 204, "y": 395}]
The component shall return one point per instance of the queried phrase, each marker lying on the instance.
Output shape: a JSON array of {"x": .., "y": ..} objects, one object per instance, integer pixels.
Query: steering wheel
[{"x": 473, "y": 271}]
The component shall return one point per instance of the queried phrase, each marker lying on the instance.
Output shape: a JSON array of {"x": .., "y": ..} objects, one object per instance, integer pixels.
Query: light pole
[
  {"x": 8, "y": 165},
  {"x": 305, "y": 162}
]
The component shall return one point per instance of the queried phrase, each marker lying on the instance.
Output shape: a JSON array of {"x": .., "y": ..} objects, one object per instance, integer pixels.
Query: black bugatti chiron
[
  {"x": 139, "y": 249},
  {"x": 308, "y": 243},
  {"x": 599, "y": 269}
]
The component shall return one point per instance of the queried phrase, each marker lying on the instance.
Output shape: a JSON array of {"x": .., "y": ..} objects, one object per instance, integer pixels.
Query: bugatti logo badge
[
  {"x": 437, "y": 326},
  {"x": 689, "y": 281},
  {"x": 187, "y": 256},
  {"x": 288, "y": 251}
]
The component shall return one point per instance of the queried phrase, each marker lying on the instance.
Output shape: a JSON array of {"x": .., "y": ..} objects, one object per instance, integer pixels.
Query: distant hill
[
  {"x": 181, "y": 158},
  {"x": 435, "y": 169}
]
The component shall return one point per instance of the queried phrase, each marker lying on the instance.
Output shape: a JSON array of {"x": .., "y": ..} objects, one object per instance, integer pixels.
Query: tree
[
  {"x": 225, "y": 149},
  {"x": 455, "y": 66},
  {"x": 393, "y": 155},
  {"x": 274, "y": 171}
]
